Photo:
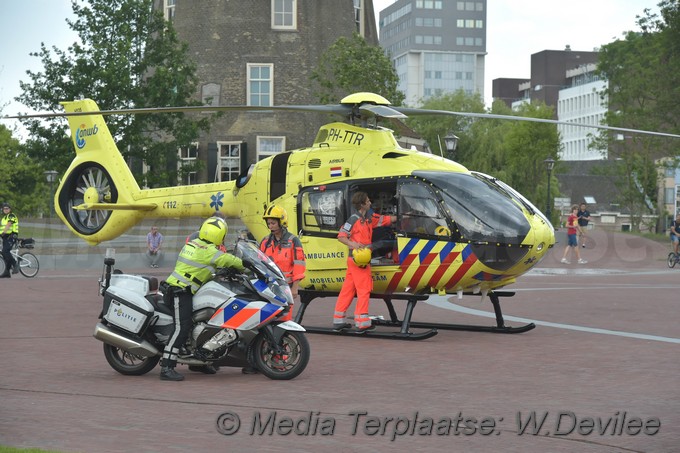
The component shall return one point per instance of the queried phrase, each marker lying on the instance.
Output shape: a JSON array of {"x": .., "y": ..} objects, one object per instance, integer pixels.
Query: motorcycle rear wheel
[
  {"x": 127, "y": 363},
  {"x": 285, "y": 366}
]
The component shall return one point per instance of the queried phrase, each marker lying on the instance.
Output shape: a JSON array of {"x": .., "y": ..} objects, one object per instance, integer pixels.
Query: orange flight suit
[
  {"x": 358, "y": 280},
  {"x": 288, "y": 256}
]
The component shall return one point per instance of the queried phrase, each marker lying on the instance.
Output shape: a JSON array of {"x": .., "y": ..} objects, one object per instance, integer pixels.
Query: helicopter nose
[{"x": 543, "y": 238}]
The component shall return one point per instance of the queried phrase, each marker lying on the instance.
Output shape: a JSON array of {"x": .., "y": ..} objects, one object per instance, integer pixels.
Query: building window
[
  {"x": 429, "y": 4},
  {"x": 670, "y": 172},
  {"x": 268, "y": 146},
  {"x": 229, "y": 161},
  {"x": 284, "y": 14},
  {"x": 169, "y": 10},
  {"x": 260, "y": 83},
  {"x": 186, "y": 164},
  {"x": 669, "y": 195},
  {"x": 357, "y": 15},
  {"x": 470, "y": 6},
  {"x": 210, "y": 94}
]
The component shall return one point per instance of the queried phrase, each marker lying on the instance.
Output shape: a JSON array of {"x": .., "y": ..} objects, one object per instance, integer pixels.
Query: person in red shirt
[
  {"x": 573, "y": 228},
  {"x": 356, "y": 234}
]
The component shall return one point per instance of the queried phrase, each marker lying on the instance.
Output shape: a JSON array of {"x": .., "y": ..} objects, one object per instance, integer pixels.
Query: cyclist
[
  {"x": 675, "y": 233},
  {"x": 9, "y": 230}
]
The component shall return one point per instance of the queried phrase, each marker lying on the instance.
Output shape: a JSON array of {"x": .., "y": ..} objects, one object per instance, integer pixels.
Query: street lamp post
[
  {"x": 549, "y": 165},
  {"x": 451, "y": 142},
  {"x": 51, "y": 176}
]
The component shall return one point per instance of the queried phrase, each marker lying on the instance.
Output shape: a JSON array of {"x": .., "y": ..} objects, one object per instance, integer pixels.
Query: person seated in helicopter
[
  {"x": 384, "y": 242},
  {"x": 418, "y": 222}
]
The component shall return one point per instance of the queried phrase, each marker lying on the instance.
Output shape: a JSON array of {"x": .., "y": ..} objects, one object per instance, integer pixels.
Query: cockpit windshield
[{"x": 482, "y": 211}]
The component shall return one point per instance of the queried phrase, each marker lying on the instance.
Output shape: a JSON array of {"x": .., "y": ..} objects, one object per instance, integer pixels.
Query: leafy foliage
[
  {"x": 643, "y": 73},
  {"x": 352, "y": 65},
  {"x": 128, "y": 56},
  {"x": 18, "y": 183}
]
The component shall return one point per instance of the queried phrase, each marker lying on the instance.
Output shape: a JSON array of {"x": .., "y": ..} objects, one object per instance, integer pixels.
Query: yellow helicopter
[{"x": 457, "y": 231}]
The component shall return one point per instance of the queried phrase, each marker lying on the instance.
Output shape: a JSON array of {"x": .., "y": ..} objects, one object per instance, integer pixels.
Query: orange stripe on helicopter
[
  {"x": 421, "y": 249},
  {"x": 446, "y": 261},
  {"x": 396, "y": 278},
  {"x": 469, "y": 259},
  {"x": 425, "y": 258}
]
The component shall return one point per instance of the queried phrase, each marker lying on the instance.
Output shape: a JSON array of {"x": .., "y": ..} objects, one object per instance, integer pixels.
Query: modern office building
[
  {"x": 581, "y": 102},
  {"x": 565, "y": 80},
  {"x": 259, "y": 53},
  {"x": 437, "y": 46}
]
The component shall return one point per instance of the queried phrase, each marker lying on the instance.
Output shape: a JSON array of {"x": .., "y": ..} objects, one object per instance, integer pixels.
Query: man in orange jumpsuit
[{"x": 356, "y": 234}]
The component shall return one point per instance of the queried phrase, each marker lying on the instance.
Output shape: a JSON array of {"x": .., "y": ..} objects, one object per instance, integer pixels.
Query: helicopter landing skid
[
  {"x": 494, "y": 296},
  {"x": 306, "y": 296}
]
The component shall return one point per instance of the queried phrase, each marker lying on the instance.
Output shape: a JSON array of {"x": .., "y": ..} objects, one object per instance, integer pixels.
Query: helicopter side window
[
  {"x": 383, "y": 202},
  {"x": 418, "y": 211},
  {"x": 322, "y": 210}
]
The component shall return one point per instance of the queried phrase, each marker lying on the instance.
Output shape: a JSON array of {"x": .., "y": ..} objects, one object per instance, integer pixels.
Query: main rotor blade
[
  {"x": 417, "y": 112},
  {"x": 380, "y": 110},
  {"x": 342, "y": 110}
]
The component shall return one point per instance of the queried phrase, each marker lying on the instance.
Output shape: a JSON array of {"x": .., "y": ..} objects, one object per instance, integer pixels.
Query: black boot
[
  {"x": 249, "y": 370},
  {"x": 169, "y": 374},
  {"x": 205, "y": 369}
]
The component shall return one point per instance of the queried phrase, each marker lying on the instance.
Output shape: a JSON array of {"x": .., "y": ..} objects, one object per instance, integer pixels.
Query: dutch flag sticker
[{"x": 336, "y": 171}]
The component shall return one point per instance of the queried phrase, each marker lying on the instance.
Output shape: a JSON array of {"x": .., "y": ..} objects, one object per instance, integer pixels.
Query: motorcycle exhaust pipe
[{"x": 118, "y": 340}]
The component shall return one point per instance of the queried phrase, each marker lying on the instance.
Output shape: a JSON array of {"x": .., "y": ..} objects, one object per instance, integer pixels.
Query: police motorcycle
[{"x": 234, "y": 320}]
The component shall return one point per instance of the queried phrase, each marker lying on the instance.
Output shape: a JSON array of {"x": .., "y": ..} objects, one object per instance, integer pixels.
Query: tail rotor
[{"x": 87, "y": 184}]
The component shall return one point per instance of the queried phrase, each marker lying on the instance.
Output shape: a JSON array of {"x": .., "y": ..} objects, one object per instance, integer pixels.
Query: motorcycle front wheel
[
  {"x": 127, "y": 363},
  {"x": 284, "y": 366}
]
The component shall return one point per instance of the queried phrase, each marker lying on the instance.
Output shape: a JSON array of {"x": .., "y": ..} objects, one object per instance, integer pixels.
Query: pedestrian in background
[
  {"x": 583, "y": 219},
  {"x": 154, "y": 241},
  {"x": 573, "y": 229}
]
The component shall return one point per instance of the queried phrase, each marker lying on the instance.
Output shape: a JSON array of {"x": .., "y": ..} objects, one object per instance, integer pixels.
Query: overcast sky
[{"x": 515, "y": 30}]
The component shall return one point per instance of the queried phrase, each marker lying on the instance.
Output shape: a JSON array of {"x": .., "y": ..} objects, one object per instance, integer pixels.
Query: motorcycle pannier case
[{"x": 127, "y": 309}]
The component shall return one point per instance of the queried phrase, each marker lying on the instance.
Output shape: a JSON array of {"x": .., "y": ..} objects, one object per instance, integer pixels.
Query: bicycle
[
  {"x": 673, "y": 259},
  {"x": 26, "y": 261}
]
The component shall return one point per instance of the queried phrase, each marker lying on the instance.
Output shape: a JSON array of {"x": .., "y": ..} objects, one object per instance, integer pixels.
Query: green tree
[
  {"x": 643, "y": 74},
  {"x": 352, "y": 65},
  {"x": 433, "y": 128},
  {"x": 127, "y": 56},
  {"x": 525, "y": 148},
  {"x": 20, "y": 185}
]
